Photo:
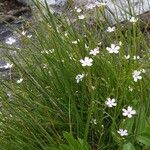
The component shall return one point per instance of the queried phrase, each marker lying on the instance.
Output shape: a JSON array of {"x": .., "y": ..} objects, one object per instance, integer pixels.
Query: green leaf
[
  {"x": 144, "y": 138},
  {"x": 128, "y": 124},
  {"x": 128, "y": 146},
  {"x": 74, "y": 144}
]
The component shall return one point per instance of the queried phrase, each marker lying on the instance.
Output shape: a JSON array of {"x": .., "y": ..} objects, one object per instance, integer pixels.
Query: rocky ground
[
  {"x": 13, "y": 12},
  {"x": 10, "y": 9},
  {"x": 12, "y": 15}
]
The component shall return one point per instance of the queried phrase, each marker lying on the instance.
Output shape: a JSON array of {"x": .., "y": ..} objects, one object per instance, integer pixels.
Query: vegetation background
[{"x": 45, "y": 105}]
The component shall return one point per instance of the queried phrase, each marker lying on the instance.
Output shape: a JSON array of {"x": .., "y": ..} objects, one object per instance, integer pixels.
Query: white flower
[
  {"x": 99, "y": 44},
  {"x": 130, "y": 88},
  {"x": 136, "y": 75},
  {"x": 44, "y": 66},
  {"x": 128, "y": 112},
  {"x": 86, "y": 61},
  {"x": 95, "y": 51},
  {"x": 99, "y": 4},
  {"x": 110, "y": 29},
  {"x": 79, "y": 77},
  {"x": 127, "y": 56},
  {"x": 93, "y": 5},
  {"x": 90, "y": 6},
  {"x": 51, "y": 51},
  {"x": 120, "y": 43},
  {"x": 45, "y": 52},
  {"x": 8, "y": 66},
  {"x": 86, "y": 46},
  {"x": 133, "y": 19},
  {"x": 29, "y": 36},
  {"x": 143, "y": 70},
  {"x": 136, "y": 57},
  {"x": 93, "y": 87},
  {"x": 66, "y": 34},
  {"x": 93, "y": 121},
  {"x": 10, "y": 40},
  {"x": 123, "y": 132},
  {"x": 110, "y": 102},
  {"x": 20, "y": 80},
  {"x": 23, "y": 32},
  {"x": 78, "y": 10},
  {"x": 74, "y": 42},
  {"x": 81, "y": 17},
  {"x": 113, "y": 49}
]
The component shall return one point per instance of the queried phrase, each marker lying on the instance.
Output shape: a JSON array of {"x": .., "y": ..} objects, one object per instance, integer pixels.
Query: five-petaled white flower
[
  {"x": 110, "y": 102},
  {"x": 81, "y": 17},
  {"x": 95, "y": 51},
  {"x": 20, "y": 80},
  {"x": 10, "y": 40},
  {"x": 113, "y": 49},
  {"x": 110, "y": 29},
  {"x": 86, "y": 61},
  {"x": 79, "y": 77},
  {"x": 123, "y": 132},
  {"x": 129, "y": 112},
  {"x": 133, "y": 19},
  {"x": 136, "y": 75}
]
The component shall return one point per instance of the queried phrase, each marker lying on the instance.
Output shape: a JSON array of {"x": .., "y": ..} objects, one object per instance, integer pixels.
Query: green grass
[{"x": 49, "y": 110}]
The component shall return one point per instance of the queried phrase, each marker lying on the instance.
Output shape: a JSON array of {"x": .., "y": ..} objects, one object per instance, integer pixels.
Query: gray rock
[
  {"x": 120, "y": 8},
  {"x": 2, "y": 64},
  {"x": 27, "y": 2},
  {"x": 49, "y": 2},
  {"x": 5, "y": 70}
]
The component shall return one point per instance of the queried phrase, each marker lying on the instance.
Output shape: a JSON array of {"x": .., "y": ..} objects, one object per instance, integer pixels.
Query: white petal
[
  {"x": 129, "y": 116},
  {"x": 129, "y": 108},
  {"x": 133, "y": 112}
]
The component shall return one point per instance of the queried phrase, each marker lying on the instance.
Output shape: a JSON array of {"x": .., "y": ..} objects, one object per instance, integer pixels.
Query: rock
[
  {"x": 11, "y": 9},
  {"x": 56, "y": 6},
  {"x": 121, "y": 9},
  {"x": 26, "y": 2},
  {"x": 5, "y": 70},
  {"x": 49, "y": 2}
]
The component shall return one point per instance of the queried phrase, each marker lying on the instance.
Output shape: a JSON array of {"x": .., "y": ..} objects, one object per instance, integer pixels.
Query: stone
[
  {"x": 56, "y": 6},
  {"x": 11, "y": 9},
  {"x": 121, "y": 9},
  {"x": 49, "y": 2},
  {"x": 5, "y": 72}
]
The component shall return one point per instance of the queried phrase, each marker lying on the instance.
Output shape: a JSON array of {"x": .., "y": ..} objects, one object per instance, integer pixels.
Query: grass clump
[{"x": 78, "y": 86}]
